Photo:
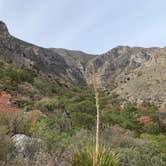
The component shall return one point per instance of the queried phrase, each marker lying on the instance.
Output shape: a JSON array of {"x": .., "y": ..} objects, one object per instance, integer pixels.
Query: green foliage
[
  {"x": 140, "y": 156},
  {"x": 129, "y": 118},
  {"x": 85, "y": 157},
  {"x": 16, "y": 76},
  {"x": 69, "y": 119},
  {"x": 18, "y": 122},
  {"x": 47, "y": 104},
  {"x": 151, "y": 152},
  {"x": 83, "y": 120},
  {"x": 11, "y": 77},
  {"x": 81, "y": 107},
  {"x": 12, "y": 121},
  {"x": 152, "y": 128},
  {"x": 54, "y": 133},
  {"x": 6, "y": 146},
  {"x": 157, "y": 143},
  {"x": 45, "y": 87}
]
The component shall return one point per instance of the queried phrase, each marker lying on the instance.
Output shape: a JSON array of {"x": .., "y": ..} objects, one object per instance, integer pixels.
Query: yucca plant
[
  {"x": 94, "y": 81},
  {"x": 95, "y": 156},
  {"x": 85, "y": 157}
]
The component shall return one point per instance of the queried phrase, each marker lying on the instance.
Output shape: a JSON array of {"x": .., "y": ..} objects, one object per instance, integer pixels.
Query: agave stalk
[{"x": 94, "y": 81}]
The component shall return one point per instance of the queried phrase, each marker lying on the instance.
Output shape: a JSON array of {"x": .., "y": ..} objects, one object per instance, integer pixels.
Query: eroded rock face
[
  {"x": 66, "y": 66},
  {"x": 4, "y": 34},
  {"x": 5, "y": 38},
  {"x": 147, "y": 82},
  {"x": 122, "y": 59}
]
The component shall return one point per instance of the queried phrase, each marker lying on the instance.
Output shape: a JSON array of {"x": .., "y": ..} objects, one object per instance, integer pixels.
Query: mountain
[
  {"x": 59, "y": 64},
  {"x": 134, "y": 73}
]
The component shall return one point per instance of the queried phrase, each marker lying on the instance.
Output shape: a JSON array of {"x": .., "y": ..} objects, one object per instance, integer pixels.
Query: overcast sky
[{"x": 93, "y": 26}]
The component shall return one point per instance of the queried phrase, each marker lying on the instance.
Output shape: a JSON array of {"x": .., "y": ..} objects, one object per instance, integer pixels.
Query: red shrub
[
  {"x": 109, "y": 106},
  {"x": 144, "y": 119},
  {"x": 5, "y": 104}
]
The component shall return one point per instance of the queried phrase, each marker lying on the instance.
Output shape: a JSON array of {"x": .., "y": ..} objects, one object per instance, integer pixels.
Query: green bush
[
  {"x": 152, "y": 128},
  {"x": 157, "y": 143},
  {"x": 129, "y": 118},
  {"x": 140, "y": 156},
  {"x": 83, "y": 120},
  {"x": 10, "y": 78},
  {"x": 19, "y": 76},
  {"x": 45, "y": 87},
  {"x": 55, "y": 133},
  {"x": 6, "y": 145},
  {"x": 47, "y": 104},
  {"x": 81, "y": 107}
]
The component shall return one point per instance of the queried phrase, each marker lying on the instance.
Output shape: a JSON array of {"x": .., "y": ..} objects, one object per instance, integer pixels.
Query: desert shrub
[
  {"x": 11, "y": 120},
  {"x": 60, "y": 124},
  {"x": 10, "y": 78},
  {"x": 55, "y": 137},
  {"x": 81, "y": 108},
  {"x": 18, "y": 122},
  {"x": 6, "y": 146},
  {"x": 141, "y": 120},
  {"x": 40, "y": 84},
  {"x": 44, "y": 86},
  {"x": 152, "y": 128},
  {"x": 18, "y": 76},
  {"x": 157, "y": 143},
  {"x": 127, "y": 118},
  {"x": 140, "y": 156},
  {"x": 22, "y": 76},
  {"x": 85, "y": 157},
  {"x": 47, "y": 104},
  {"x": 83, "y": 120},
  {"x": 33, "y": 148},
  {"x": 82, "y": 138},
  {"x": 55, "y": 141}
]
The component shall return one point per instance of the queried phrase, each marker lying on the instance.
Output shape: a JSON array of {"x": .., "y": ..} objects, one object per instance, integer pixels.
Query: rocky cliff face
[
  {"x": 59, "y": 64},
  {"x": 134, "y": 73},
  {"x": 147, "y": 82},
  {"x": 120, "y": 60}
]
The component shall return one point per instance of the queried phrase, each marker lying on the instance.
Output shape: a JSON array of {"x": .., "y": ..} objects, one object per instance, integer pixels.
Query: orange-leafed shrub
[
  {"x": 109, "y": 106},
  {"x": 144, "y": 119},
  {"x": 5, "y": 104},
  {"x": 10, "y": 117}
]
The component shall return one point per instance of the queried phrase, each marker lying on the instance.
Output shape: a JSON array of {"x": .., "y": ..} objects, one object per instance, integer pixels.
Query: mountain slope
[
  {"x": 148, "y": 82},
  {"x": 55, "y": 63},
  {"x": 118, "y": 69}
]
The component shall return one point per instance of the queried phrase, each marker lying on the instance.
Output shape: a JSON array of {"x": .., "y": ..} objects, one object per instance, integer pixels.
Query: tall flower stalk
[{"x": 94, "y": 81}]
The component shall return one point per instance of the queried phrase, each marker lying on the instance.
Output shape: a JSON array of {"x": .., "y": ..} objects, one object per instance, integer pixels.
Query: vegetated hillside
[
  {"x": 66, "y": 67},
  {"x": 48, "y": 113}
]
